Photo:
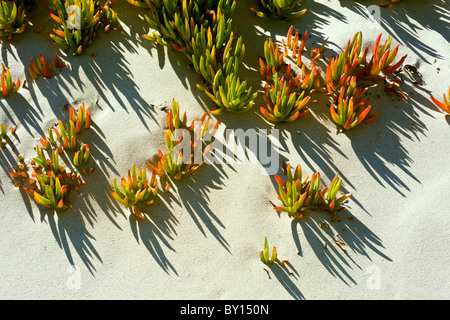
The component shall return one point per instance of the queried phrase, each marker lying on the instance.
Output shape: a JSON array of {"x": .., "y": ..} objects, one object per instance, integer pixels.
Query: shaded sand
[{"x": 202, "y": 240}]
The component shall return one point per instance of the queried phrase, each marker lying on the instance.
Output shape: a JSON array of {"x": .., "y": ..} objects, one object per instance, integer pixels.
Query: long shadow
[
  {"x": 283, "y": 272},
  {"x": 193, "y": 194},
  {"x": 406, "y": 19},
  {"x": 155, "y": 232},
  {"x": 331, "y": 242}
]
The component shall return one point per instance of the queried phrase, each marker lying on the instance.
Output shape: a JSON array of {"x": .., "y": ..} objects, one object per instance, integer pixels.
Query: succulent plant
[
  {"x": 174, "y": 162},
  {"x": 281, "y": 9},
  {"x": 67, "y": 136},
  {"x": 299, "y": 195},
  {"x": 282, "y": 102},
  {"x": 136, "y": 188},
  {"x": 230, "y": 94},
  {"x": 81, "y": 157},
  {"x": 83, "y": 118},
  {"x": 14, "y": 16},
  {"x": 43, "y": 68},
  {"x": 348, "y": 113},
  {"x": 8, "y": 86},
  {"x": 51, "y": 191},
  {"x": 383, "y": 58},
  {"x": 444, "y": 106},
  {"x": 274, "y": 57},
  {"x": 265, "y": 255},
  {"x": 90, "y": 17}
]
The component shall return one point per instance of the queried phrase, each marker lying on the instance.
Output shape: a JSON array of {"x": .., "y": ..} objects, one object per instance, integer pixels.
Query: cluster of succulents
[
  {"x": 202, "y": 30},
  {"x": 51, "y": 181},
  {"x": 186, "y": 148},
  {"x": 44, "y": 68},
  {"x": 347, "y": 78},
  {"x": 8, "y": 86},
  {"x": 174, "y": 163},
  {"x": 136, "y": 188},
  {"x": 286, "y": 94},
  {"x": 280, "y": 9},
  {"x": 79, "y": 21},
  {"x": 444, "y": 106},
  {"x": 348, "y": 74},
  {"x": 298, "y": 195},
  {"x": 14, "y": 16}
]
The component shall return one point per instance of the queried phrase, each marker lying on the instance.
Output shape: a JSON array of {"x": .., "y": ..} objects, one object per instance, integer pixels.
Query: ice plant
[
  {"x": 3, "y": 134},
  {"x": 67, "y": 136},
  {"x": 202, "y": 31},
  {"x": 282, "y": 103},
  {"x": 76, "y": 31},
  {"x": 383, "y": 59},
  {"x": 43, "y": 68},
  {"x": 83, "y": 118},
  {"x": 185, "y": 145},
  {"x": 14, "y": 16},
  {"x": 136, "y": 188},
  {"x": 282, "y": 9},
  {"x": 274, "y": 57},
  {"x": 264, "y": 255},
  {"x": 298, "y": 195},
  {"x": 8, "y": 86},
  {"x": 444, "y": 106},
  {"x": 348, "y": 113},
  {"x": 51, "y": 191},
  {"x": 330, "y": 200},
  {"x": 81, "y": 157},
  {"x": 231, "y": 94}
]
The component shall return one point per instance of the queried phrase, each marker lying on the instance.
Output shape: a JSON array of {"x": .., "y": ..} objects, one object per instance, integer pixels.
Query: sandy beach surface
[{"x": 202, "y": 239}]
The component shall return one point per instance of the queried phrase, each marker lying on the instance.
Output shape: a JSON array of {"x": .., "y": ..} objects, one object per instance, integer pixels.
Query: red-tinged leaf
[
  {"x": 395, "y": 66},
  {"x": 280, "y": 181},
  {"x": 371, "y": 118},
  {"x": 440, "y": 104}
]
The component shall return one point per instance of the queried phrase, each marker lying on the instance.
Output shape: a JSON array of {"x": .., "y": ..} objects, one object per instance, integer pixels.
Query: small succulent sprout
[
  {"x": 444, "y": 106},
  {"x": 45, "y": 143},
  {"x": 231, "y": 94},
  {"x": 83, "y": 118},
  {"x": 267, "y": 73},
  {"x": 282, "y": 103},
  {"x": 274, "y": 57},
  {"x": 383, "y": 58},
  {"x": 136, "y": 188},
  {"x": 81, "y": 157},
  {"x": 40, "y": 68},
  {"x": 41, "y": 160},
  {"x": 67, "y": 136},
  {"x": 348, "y": 113},
  {"x": 264, "y": 255},
  {"x": 51, "y": 191},
  {"x": 292, "y": 43},
  {"x": 330, "y": 200},
  {"x": 279, "y": 9},
  {"x": 174, "y": 121},
  {"x": 8, "y": 86}
]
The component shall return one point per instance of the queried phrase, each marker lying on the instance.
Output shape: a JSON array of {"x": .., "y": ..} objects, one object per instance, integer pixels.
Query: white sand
[{"x": 202, "y": 241}]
